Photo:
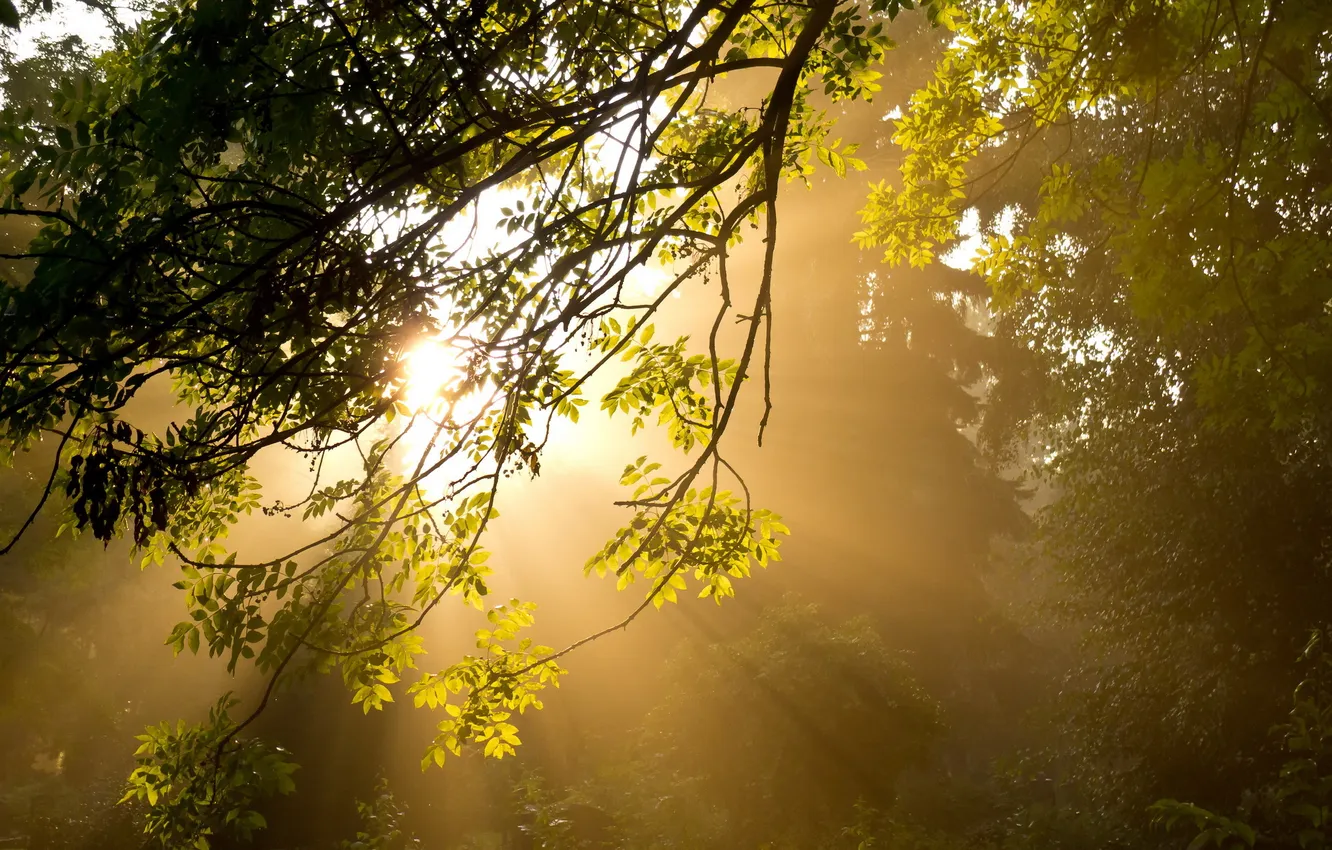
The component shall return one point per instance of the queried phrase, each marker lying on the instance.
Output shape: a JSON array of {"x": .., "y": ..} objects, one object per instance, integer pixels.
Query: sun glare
[
  {"x": 432, "y": 369},
  {"x": 436, "y": 390}
]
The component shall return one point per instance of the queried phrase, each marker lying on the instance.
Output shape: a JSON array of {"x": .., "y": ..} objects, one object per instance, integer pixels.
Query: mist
[{"x": 976, "y": 349}]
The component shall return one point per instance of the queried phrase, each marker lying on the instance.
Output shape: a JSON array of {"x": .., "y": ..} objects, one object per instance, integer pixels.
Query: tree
[
  {"x": 263, "y": 212},
  {"x": 1292, "y": 808},
  {"x": 770, "y": 739},
  {"x": 381, "y": 818},
  {"x": 1152, "y": 189},
  {"x": 66, "y": 703}
]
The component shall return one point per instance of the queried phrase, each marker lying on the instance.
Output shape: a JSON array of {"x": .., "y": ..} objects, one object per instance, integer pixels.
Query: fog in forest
[{"x": 1043, "y": 356}]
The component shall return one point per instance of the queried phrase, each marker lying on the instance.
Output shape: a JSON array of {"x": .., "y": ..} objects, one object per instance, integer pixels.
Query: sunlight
[
  {"x": 441, "y": 395},
  {"x": 433, "y": 369},
  {"x": 438, "y": 381}
]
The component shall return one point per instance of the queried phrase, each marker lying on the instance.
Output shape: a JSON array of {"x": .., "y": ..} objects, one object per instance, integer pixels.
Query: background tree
[
  {"x": 771, "y": 739},
  {"x": 768, "y": 739},
  {"x": 1151, "y": 193}
]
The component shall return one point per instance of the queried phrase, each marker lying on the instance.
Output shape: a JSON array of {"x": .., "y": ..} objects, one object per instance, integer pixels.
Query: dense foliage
[
  {"x": 294, "y": 295},
  {"x": 1153, "y": 195}
]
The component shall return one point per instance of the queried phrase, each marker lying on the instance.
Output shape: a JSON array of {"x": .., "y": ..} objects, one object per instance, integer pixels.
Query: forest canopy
[{"x": 349, "y": 272}]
